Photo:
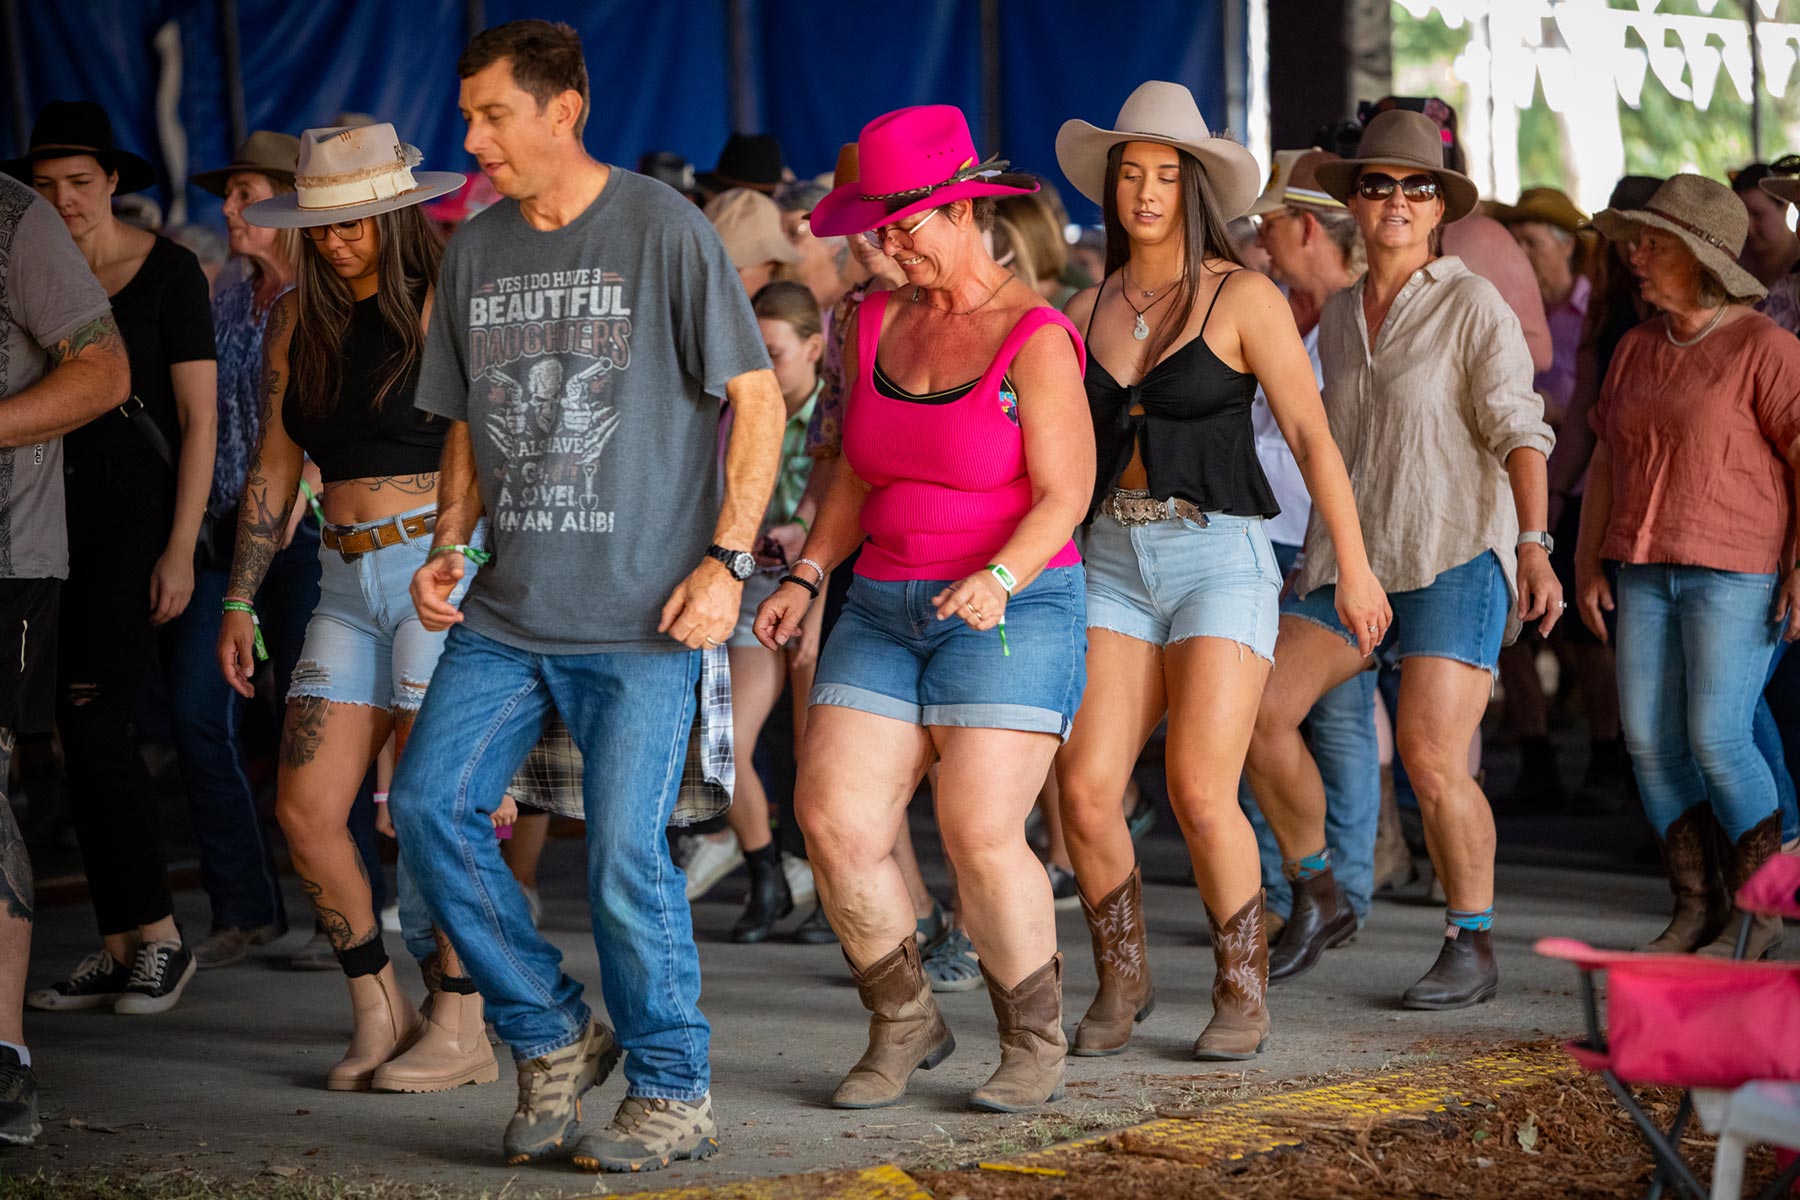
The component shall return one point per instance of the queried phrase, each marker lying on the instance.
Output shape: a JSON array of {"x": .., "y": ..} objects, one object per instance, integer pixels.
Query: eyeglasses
[
  {"x": 347, "y": 231},
  {"x": 1266, "y": 221},
  {"x": 1416, "y": 188},
  {"x": 877, "y": 237}
]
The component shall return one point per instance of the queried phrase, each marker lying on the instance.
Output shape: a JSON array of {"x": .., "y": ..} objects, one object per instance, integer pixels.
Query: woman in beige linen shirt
[{"x": 1428, "y": 390}]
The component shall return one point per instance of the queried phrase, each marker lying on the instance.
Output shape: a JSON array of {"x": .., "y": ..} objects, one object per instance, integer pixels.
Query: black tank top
[
  {"x": 1195, "y": 432},
  {"x": 356, "y": 440}
]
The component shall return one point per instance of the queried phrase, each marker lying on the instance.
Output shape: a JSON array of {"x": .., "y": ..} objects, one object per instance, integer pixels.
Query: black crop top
[
  {"x": 1194, "y": 432},
  {"x": 355, "y": 440}
]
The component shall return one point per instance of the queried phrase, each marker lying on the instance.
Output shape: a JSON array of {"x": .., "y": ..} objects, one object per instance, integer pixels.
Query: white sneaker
[
  {"x": 710, "y": 860},
  {"x": 799, "y": 879},
  {"x": 390, "y": 918}
]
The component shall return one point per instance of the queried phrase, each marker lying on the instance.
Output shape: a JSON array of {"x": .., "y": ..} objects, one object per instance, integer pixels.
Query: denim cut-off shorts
[
  {"x": 891, "y": 656},
  {"x": 1461, "y": 615},
  {"x": 364, "y": 643},
  {"x": 1176, "y": 579}
]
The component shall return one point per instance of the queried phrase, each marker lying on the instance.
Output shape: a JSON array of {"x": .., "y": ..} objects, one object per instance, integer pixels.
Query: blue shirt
[{"x": 238, "y": 331}]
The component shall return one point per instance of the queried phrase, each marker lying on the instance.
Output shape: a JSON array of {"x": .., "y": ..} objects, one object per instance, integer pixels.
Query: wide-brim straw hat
[
  {"x": 1546, "y": 205},
  {"x": 749, "y": 223},
  {"x": 346, "y": 173},
  {"x": 1782, "y": 187},
  {"x": 913, "y": 159},
  {"x": 265, "y": 152},
  {"x": 1294, "y": 182},
  {"x": 1403, "y": 138},
  {"x": 1709, "y": 219},
  {"x": 69, "y": 127},
  {"x": 1164, "y": 113}
]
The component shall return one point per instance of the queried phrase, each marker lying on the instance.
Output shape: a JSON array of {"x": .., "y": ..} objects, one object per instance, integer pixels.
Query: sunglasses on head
[{"x": 1379, "y": 186}]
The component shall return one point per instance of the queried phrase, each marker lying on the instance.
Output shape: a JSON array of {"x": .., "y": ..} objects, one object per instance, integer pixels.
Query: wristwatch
[
  {"x": 740, "y": 563},
  {"x": 1540, "y": 538}
]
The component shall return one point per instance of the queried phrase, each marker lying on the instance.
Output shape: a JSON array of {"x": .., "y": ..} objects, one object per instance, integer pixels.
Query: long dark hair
[
  {"x": 1203, "y": 236},
  {"x": 408, "y": 264}
]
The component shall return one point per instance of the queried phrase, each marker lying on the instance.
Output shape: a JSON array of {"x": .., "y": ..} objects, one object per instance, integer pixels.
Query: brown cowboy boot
[
  {"x": 452, "y": 1048},
  {"x": 1702, "y": 908},
  {"x": 1751, "y": 851},
  {"x": 906, "y": 1030},
  {"x": 1032, "y": 1045},
  {"x": 386, "y": 1023},
  {"x": 1239, "y": 1028},
  {"x": 1116, "y": 925}
]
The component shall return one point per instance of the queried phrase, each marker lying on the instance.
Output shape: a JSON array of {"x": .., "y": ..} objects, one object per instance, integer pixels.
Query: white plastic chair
[{"x": 1756, "y": 1112}]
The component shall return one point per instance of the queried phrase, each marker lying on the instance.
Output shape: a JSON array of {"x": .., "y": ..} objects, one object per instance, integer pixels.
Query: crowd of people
[{"x": 545, "y": 521}]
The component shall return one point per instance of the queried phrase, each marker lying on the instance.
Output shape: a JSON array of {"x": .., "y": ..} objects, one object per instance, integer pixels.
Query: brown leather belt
[
  {"x": 1140, "y": 508},
  {"x": 353, "y": 543}
]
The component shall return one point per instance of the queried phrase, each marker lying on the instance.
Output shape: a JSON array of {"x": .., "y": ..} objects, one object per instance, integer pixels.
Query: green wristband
[
  {"x": 262, "y": 649},
  {"x": 313, "y": 500},
  {"x": 472, "y": 553},
  {"x": 1007, "y": 582}
]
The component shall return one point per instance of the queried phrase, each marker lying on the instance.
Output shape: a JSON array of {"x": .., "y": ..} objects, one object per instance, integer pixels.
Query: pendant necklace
[{"x": 1140, "y": 329}]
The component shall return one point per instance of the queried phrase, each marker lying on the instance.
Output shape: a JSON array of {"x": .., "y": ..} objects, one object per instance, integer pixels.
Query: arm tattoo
[
  {"x": 16, "y": 894},
  {"x": 99, "y": 336},
  {"x": 260, "y": 524},
  {"x": 406, "y": 485}
]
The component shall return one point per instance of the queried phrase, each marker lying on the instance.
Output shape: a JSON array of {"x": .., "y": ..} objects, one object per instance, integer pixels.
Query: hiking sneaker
[
  {"x": 19, "y": 1124},
  {"x": 647, "y": 1134},
  {"x": 708, "y": 860},
  {"x": 97, "y": 983},
  {"x": 227, "y": 946},
  {"x": 158, "y": 978},
  {"x": 550, "y": 1091}
]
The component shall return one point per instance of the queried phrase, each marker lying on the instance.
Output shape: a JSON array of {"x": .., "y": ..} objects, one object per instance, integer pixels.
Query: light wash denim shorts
[
  {"x": 891, "y": 656},
  {"x": 364, "y": 643},
  {"x": 1461, "y": 615},
  {"x": 1176, "y": 579}
]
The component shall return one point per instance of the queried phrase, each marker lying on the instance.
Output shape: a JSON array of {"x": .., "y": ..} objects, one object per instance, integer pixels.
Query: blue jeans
[
  {"x": 1341, "y": 731},
  {"x": 1781, "y": 700},
  {"x": 1771, "y": 743},
  {"x": 630, "y": 714},
  {"x": 1693, "y": 654}
]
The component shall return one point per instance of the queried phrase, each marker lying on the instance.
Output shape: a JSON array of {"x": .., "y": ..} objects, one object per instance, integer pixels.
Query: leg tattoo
[{"x": 304, "y": 729}]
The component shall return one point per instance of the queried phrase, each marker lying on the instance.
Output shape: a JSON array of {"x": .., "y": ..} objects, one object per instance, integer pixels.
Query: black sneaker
[
  {"x": 1062, "y": 887},
  {"x": 19, "y": 1124},
  {"x": 158, "y": 977},
  {"x": 97, "y": 983}
]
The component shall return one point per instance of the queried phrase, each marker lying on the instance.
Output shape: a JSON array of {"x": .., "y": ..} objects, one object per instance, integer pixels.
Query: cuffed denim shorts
[
  {"x": 1461, "y": 615},
  {"x": 891, "y": 656},
  {"x": 364, "y": 643},
  {"x": 1172, "y": 580}
]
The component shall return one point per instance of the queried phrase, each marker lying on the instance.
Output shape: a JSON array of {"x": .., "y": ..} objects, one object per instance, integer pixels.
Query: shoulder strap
[
  {"x": 868, "y": 331},
  {"x": 1034, "y": 320},
  {"x": 1099, "y": 295},
  {"x": 1215, "y": 300}
]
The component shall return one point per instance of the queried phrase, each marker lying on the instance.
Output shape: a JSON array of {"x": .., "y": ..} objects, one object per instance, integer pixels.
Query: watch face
[{"x": 742, "y": 565}]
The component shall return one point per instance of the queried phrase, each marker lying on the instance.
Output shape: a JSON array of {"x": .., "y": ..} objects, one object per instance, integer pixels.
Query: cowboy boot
[
  {"x": 452, "y": 1048},
  {"x": 1702, "y": 909},
  {"x": 1465, "y": 973},
  {"x": 1320, "y": 918},
  {"x": 386, "y": 1022},
  {"x": 906, "y": 1030},
  {"x": 1116, "y": 925},
  {"x": 1239, "y": 1028},
  {"x": 1751, "y": 851},
  {"x": 1032, "y": 1045}
]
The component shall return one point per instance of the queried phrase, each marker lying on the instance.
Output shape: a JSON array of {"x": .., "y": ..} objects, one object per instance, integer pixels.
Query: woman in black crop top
[
  {"x": 1182, "y": 583},
  {"x": 341, "y": 358}
]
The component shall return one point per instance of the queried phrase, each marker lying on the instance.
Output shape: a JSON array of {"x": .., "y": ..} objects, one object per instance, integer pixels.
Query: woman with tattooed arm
[{"x": 341, "y": 361}]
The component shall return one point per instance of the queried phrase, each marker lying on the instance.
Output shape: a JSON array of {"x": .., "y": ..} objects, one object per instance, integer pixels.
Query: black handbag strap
[{"x": 133, "y": 410}]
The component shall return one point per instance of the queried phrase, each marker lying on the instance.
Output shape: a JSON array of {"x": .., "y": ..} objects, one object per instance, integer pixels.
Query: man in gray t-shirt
[
  {"x": 584, "y": 331},
  {"x": 62, "y": 364}
]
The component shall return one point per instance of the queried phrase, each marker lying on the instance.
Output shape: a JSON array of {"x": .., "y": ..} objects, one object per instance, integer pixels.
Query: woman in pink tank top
[{"x": 968, "y": 462}]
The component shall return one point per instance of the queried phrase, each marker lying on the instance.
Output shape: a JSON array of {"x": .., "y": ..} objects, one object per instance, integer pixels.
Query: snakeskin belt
[{"x": 1140, "y": 508}]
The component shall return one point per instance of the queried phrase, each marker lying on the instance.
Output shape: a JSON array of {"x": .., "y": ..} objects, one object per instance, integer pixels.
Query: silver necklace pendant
[{"x": 1140, "y": 331}]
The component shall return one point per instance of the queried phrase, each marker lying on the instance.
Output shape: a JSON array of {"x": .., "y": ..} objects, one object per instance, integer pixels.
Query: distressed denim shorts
[
  {"x": 364, "y": 643},
  {"x": 1461, "y": 615},
  {"x": 1172, "y": 580},
  {"x": 891, "y": 656}
]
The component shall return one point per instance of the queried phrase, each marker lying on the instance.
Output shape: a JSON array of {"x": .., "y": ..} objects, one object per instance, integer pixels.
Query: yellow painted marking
[
  {"x": 885, "y": 1182},
  {"x": 1014, "y": 1168}
]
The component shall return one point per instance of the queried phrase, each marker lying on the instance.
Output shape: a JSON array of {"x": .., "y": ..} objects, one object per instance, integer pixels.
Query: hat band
[
  {"x": 1703, "y": 235},
  {"x": 969, "y": 170},
  {"x": 391, "y": 182},
  {"x": 1296, "y": 195}
]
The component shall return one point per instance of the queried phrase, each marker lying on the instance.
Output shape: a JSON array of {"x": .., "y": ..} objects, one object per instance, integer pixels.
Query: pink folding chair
[{"x": 1681, "y": 1020}]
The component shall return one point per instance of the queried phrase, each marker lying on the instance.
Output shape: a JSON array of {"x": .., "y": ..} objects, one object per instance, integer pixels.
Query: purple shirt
[{"x": 1557, "y": 384}]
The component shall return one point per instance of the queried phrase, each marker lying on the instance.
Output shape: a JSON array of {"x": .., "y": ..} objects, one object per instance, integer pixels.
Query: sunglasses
[
  {"x": 878, "y": 236},
  {"x": 1416, "y": 188},
  {"x": 347, "y": 231}
]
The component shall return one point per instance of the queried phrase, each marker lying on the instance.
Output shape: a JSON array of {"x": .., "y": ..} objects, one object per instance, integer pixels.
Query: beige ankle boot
[
  {"x": 906, "y": 1030},
  {"x": 452, "y": 1048},
  {"x": 1032, "y": 1045},
  {"x": 386, "y": 1022}
]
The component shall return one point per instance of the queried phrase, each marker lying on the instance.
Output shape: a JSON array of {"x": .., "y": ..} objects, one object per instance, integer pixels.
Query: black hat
[
  {"x": 70, "y": 127},
  {"x": 670, "y": 168},
  {"x": 749, "y": 160}
]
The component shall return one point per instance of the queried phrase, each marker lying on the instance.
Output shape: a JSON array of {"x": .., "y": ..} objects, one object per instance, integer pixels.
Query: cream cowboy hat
[
  {"x": 349, "y": 172},
  {"x": 1165, "y": 113},
  {"x": 1708, "y": 218}
]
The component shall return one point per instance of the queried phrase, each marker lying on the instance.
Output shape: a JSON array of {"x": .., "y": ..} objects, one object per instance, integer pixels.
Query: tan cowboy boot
[
  {"x": 386, "y": 1023},
  {"x": 1032, "y": 1045},
  {"x": 1116, "y": 925},
  {"x": 452, "y": 1048},
  {"x": 1239, "y": 1027},
  {"x": 1751, "y": 851},
  {"x": 906, "y": 1030},
  {"x": 1702, "y": 909}
]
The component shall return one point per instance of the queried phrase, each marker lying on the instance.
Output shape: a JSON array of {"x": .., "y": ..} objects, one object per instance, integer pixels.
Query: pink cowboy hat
[{"x": 923, "y": 156}]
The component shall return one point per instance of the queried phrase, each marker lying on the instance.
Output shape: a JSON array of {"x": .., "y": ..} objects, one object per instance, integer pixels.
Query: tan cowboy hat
[
  {"x": 1709, "y": 219},
  {"x": 264, "y": 152},
  {"x": 749, "y": 223},
  {"x": 1403, "y": 138},
  {"x": 1783, "y": 187},
  {"x": 348, "y": 172},
  {"x": 1546, "y": 205},
  {"x": 1165, "y": 113},
  {"x": 1294, "y": 180}
]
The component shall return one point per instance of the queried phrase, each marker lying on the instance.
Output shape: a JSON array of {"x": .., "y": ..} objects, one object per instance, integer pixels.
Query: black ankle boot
[
  {"x": 769, "y": 900},
  {"x": 1465, "y": 973},
  {"x": 1321, "y": 917}
]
